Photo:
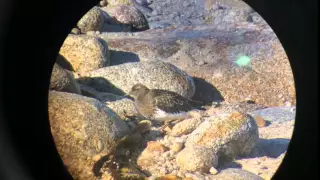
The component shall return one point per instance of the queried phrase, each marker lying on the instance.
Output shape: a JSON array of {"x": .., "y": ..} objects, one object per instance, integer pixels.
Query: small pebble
[
  {"x": 96, "y": 157},
  {"x": 161, "y": 159},
  {"x": 188, "y": 175},
  {"x": 163, "y": 171},
  {"x": 91, "y": 33},
  {"x": 75, "y": 31},
  {"x": 181, "y": 174},
  {"x": 176, "y": 147},
  {"x": 288, "y": 104},
  {"x": 260, "y": 121},
  {"x": 166, "y": 154},
  {"x": 213, "y": 171},
  {"x": 174, "y": 172},
  {"x": 103, "y": 3},
  {"x": 201, "y": 62},
  {"x": 154, "y": 12},
  {"x": 153, "y": 146},
  {"x": 257, "y": 162}
]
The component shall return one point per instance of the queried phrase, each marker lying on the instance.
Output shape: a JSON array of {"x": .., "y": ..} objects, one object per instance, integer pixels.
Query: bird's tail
[
  {"x": 201, "y": 108},
  {"x": 197, "y": 104}
]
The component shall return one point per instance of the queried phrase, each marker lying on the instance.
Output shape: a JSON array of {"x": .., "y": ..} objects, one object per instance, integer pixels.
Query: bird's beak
[{"x": 127, "y": 95}]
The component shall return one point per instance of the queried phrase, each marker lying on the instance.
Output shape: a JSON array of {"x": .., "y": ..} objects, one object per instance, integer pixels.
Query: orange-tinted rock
[
  {"x": 260, "y": 121},
  {"x": 154, "y": 146},
  {"x": 228, "y": 134}
]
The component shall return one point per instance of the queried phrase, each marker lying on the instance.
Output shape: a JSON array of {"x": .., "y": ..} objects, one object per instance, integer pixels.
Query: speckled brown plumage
[{"x": 148, "y": 101}]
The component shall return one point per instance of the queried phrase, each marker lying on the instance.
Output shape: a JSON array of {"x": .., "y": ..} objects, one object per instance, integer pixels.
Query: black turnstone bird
[{"x": 162, "y": 105}]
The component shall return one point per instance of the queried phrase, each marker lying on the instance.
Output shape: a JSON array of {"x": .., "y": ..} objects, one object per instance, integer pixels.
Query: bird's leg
[
  {"x": 166, "y": 124},
  {"x": 125, "y": 114},
  {"x": 128, "y": 116}
]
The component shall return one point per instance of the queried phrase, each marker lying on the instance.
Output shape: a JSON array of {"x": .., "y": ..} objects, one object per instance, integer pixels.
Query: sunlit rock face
[{"x": 246, "y": 63}]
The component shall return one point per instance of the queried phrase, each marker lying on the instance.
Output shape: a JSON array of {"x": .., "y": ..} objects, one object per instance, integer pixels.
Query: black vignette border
[
  {"x": 33, "y": 31},
  {"x": 295, "y": 24}
]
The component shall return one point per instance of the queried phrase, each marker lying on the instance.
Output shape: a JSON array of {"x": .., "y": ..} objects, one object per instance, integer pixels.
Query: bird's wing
[
  {"x": 170, "y": 102},
  {"x": 196, "y": 103}
]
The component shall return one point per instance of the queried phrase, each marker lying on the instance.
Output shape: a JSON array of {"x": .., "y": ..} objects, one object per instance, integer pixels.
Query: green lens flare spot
[{"x": 243, "y": 61}]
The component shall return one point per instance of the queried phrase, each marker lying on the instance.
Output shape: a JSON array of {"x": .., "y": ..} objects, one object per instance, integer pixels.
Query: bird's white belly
[{"x": 161, "y": 115}]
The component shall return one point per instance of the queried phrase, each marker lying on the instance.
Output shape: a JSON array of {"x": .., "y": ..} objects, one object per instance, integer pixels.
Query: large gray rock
[
  {"x": 229, "y": 135},
  {"x": 63, "y": 80},
  {"x": 85, "y": 53},
  {"x": 130, "y": 15},
  {"x": 91, "y": 21},
  {"x": 154, "y": 74},
  {"x": 84, "y": 130}
]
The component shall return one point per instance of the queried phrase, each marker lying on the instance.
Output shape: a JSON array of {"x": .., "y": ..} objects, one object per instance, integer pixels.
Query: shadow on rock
[
  {"x": 100, "y": 84},
  {"x": 229, "y": 164},
  {"x": 63, "y": 62},
  {"x": 113, "y": 25},
  {"x": 101, "y": 96},
  {"x": 121, "y": 57},
  {"x": 98, "y": 165},
  {"x": 116, "y": 28},
  {"x": 270, "y": 147},
  {"x": 206, "y": 92}
]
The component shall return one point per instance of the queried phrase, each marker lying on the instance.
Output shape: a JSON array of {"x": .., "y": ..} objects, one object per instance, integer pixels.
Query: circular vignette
[{"x": 21, "y": 130}]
